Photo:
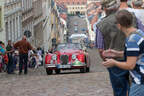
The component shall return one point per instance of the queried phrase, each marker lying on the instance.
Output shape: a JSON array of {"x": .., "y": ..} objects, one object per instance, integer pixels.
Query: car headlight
[
  {"x": 73, "y": 56},
  {"x": 54, "y": 57}
]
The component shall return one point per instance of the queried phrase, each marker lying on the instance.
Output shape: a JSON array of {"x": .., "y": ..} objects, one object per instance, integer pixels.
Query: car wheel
[
  {"x": 83, "y": 70},
  {"x": 57, "y": 71},
  {"x": 49, "y": 72},
  {"x": 87, "y": 69}
]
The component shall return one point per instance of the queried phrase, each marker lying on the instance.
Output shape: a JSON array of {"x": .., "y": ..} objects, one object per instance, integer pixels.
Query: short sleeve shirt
[
  {"x": 135, "y": 47},
  {"x": 2, "y": 50}
]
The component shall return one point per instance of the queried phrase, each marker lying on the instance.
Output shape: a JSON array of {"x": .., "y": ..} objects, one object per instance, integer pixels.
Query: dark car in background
[
  {"x": 76, "y": 29},
  {"x": 75, "y": 24}
]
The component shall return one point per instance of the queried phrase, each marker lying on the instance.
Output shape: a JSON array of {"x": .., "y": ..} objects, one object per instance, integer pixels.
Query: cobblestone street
[
  {"x": 53, "y": 47},
  {"x": 68, "y": 83}
]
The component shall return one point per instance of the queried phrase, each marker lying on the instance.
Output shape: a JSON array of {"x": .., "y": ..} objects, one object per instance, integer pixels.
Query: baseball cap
[
  {"x": 108, "y": 3},
  {"x": 138, "y": 2}
]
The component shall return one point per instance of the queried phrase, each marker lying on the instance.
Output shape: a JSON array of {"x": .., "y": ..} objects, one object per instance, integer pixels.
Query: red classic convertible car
[{"x": 67, "y": 56}]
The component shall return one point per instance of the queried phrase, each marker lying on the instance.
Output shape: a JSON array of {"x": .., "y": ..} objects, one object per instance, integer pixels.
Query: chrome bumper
[
  {"x": 50, "y": 65},
  {"x": 56, "y": 65}
]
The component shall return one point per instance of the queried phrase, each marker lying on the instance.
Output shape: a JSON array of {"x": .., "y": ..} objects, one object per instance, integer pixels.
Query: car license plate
[{"x": 63, "y": 66}]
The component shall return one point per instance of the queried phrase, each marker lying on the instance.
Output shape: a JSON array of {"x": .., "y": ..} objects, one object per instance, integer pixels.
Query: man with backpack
[{"x": 110, "y": 37}]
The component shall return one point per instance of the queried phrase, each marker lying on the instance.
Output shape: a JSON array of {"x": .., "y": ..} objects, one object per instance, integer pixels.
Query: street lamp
[{"x": 27, "y": 33}]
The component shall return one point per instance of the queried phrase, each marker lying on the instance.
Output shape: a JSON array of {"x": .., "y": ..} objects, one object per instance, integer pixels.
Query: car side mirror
[
  {"x": 46, "y": 52},
  {"x": 84, "y": 49}
]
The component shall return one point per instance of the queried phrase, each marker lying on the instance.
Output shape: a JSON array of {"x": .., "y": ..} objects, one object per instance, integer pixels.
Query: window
[
  {"x": 17, "y": 27},
  {"x": 10, "y": 32},
  {"x": 7, "y": 33},
  {"x": 0, "y": 18},
  {"x": 14, "y": 31}
]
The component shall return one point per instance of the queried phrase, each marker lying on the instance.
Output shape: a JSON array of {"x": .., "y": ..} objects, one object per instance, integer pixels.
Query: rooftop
[{"x": 72, "y": 2}]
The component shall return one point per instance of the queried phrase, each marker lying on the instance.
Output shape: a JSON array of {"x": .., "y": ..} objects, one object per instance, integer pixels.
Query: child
[
  {"x": 38, "y": 59},
  {"x": 16, "y": 59},
  {"x": 31, "y": 59}
]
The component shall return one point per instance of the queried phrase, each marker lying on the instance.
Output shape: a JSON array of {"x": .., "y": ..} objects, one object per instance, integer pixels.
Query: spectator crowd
[
  {"x": 119, "y": 29},
  {"x": 19, "y": 56}
]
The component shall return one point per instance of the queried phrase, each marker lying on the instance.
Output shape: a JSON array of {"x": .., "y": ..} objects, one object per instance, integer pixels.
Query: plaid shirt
[{"x": 99, "y": 42}]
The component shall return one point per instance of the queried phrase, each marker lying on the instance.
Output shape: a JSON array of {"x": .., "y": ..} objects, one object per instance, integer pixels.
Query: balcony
[
  {"x": 12, "y": 2},
  {"x": 1, "y": 29},
  {"x": 12, "y": 11},
  {"x": 38, "y": 20}
]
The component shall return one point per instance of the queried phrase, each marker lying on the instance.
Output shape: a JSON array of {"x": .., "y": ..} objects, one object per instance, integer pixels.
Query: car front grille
[{"x": 64, "y": 59}]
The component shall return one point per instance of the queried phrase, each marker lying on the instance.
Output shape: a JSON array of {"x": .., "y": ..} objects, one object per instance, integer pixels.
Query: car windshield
[
  {"x": 69, "y": 46},
  {"x": 75, "y": 23},
  {"x": 78, "y": 36}
]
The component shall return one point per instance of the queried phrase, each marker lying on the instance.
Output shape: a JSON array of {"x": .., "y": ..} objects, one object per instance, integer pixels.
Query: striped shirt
[{"x": 135, "y": 47}]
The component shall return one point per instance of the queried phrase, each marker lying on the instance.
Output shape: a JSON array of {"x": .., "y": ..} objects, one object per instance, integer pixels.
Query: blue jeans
[
  {"x": 136, "y": 90},
  {"x": 10, "y": 66},
  {"x": 23, "y": 62},
  {"x": 119, "y": 80}
]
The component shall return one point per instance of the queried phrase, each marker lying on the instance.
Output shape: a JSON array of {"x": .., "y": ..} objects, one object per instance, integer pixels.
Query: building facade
[
  {"x": 74, "y": 6},
  {"x": 54, "y": 26},
  {"x": 58, "y": 24},
  {"x": 38, "y": 23},
  {"x": 27, "y": 17},
  {"x": 13, "y": 17},
  {"x": 2, "y": 25},
  {"x": 46, "y": 5},
  {"x": 74, "y": 9},
  {"x": 93, "y": 10},
  {"x": 52, "y": 29}
]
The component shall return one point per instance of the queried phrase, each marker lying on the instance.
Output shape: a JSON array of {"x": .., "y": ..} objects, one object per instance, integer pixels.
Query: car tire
[
  {"x": 83, "y": 70},
  {"x": 57, "y": 71},
  {"x": 49, "y": 72},
  {"x": 87, "y": 69}
]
